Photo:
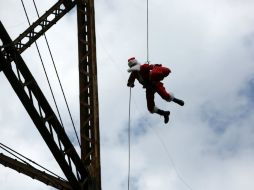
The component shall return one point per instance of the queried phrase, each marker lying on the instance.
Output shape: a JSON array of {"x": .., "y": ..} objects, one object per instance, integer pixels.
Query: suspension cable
[
  {"x": 129, "y": 140},
  {"x": 59, "y": 81},
  {"x": 52, "y": 93},
  {"x": 15, "y": 153}
]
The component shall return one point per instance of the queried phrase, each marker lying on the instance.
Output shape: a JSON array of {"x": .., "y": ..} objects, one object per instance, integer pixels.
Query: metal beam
[
  {"x": 41, "y": 113},
  {"x": 89, "y": 106},
  {"x": 39, "y": 27},
  {"x": 34, "y": 173}
]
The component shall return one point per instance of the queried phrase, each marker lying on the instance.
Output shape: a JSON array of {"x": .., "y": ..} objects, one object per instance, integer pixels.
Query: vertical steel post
[{"x": 89, "y": 109}]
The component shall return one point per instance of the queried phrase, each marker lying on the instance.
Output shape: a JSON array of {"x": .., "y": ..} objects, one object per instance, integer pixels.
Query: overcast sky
[{"x": 209, "y": 46}]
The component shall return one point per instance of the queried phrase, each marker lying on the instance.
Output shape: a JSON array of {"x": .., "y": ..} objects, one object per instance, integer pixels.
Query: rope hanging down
[
  {"x": 129, "y": 140},
  {"x": 129, "y": 127}
]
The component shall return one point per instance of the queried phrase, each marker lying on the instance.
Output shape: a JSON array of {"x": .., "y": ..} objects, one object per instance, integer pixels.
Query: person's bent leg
[
  {"x": 167, "y": 96},
  {"x": 153, "y": 109}
]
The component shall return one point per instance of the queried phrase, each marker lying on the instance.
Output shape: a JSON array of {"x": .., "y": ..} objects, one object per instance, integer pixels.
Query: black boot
[
  {"x": 165, "y": 114},
  {"x": 178, "y": 101}
]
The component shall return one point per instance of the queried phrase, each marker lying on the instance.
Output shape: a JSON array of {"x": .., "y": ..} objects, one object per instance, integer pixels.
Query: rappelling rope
[
  {"x": 147, "y": 32},
  {"x": 129, "y": 140},
  {"x": 129, "y": 123}
]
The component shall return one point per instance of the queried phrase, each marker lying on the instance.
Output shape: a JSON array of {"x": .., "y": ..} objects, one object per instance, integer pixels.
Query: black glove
[{"x": 130, "y": 85}]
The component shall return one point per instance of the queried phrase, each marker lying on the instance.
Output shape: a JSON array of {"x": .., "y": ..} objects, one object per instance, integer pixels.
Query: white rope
[
  {"x": 129, "y": 140},
  {"x": 147, "y": 32}
]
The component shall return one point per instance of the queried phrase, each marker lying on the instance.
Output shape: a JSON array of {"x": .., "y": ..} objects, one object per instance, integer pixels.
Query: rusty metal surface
[
  {"x": 86, "y": 173},
  {"x": 42, "y": 114},
  {"x": 39, "y": 27},
  {"x": 89, "y": 106}
]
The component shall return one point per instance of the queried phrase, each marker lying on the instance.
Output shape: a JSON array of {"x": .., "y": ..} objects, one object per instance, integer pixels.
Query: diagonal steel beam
[
  {"x": 34, "y": 173},
  {"x": 39, "y": 27},
  {"x": 42, "y": 114}
]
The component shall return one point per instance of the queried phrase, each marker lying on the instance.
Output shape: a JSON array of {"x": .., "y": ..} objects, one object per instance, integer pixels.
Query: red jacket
[{"x": 148, "y": 74}]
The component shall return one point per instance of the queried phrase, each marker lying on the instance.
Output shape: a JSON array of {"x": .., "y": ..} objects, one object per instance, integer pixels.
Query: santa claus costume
[{"x": 150, "y": 76}]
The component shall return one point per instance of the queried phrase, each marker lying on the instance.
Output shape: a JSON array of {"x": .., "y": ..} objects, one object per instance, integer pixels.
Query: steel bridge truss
[{"x": 82, "y": 173}]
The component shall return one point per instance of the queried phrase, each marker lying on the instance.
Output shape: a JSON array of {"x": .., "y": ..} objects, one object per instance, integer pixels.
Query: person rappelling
[{"x": 150, "y": 76}]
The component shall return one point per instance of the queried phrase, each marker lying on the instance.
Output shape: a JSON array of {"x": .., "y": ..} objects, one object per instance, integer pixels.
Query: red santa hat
[{"x": 132, "y": 61}]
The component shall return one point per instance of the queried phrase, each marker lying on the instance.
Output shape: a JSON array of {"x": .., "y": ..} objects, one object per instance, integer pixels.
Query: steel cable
[
  {"x": 52, "y": 93},
  {"x": 59, "y": 81},
  {"x": 15, "y": 153}
]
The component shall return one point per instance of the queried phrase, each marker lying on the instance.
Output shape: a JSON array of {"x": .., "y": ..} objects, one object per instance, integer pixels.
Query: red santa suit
[{"x": 150, "y": 76}]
